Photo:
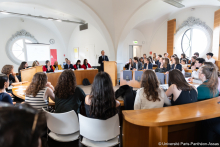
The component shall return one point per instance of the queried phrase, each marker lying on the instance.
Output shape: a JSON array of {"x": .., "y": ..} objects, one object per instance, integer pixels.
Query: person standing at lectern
[{"x": 102, "y": 58}]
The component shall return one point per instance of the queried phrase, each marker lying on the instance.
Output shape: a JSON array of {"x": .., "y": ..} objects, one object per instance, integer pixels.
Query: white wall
[
  {"x": 157, "y": 42},
  {"x": 10, "y": 25},
  {"x": 92, "y": 39}
]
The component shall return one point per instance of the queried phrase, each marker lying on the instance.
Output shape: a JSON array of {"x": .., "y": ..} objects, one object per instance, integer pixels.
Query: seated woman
[
  {"x": 150, "y": 95},
  {"x": 77, "y": 65},
  {"x": 23, "y": 65},
  {"x": 56, "y": 66},
  {"x": 141, "y": 60},
  {"x": 209, "y": 88},
  {"x": 184, "y": 65},
  {"x": 154, "y": 58},
  {"x": 25, "y": 126},
  {"x": 86, "y": 64},
  {"x": 101, "y": 103},
  {"x": 193, "y": 61},
  {"x": 176, "y": 64},
  {"x": 129, "y": 65},
  {"x": 183, "y": 56},
  {"x": 35, "y": 63},
  {"x": 48, "y": 68},
  {"x": 181, "y": 92},
  {"x": 165, "y": 66},
  {"x": 148, "y": 64},
  {"x": 38, "y": 91},
  {"x": 67, "y": 95},
  {"x": 4, "y": 83}
]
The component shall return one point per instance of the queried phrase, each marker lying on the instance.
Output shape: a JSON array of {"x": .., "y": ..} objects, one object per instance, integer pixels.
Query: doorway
[{"x": 135, "y": 51}]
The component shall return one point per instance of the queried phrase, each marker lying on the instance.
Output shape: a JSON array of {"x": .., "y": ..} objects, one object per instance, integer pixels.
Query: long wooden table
[{"x": 172, "y": 124}]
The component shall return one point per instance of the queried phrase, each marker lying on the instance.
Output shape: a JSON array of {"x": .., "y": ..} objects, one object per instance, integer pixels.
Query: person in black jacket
[
  {"x": 129, "y": 65},
  {"x": 148, "y": 64},
  {"x": 158, "y": 59},
  {"x": 176, "y": 64},
  {"x": 165, "y": 66},
  {"x": 68, "y": 65},
  {"x": 102, "y": 58},
  {"x": 137, "y": 65}
]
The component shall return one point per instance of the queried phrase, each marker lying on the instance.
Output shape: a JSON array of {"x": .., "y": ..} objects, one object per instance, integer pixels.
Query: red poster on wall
[{"x": 53, "y": 56}]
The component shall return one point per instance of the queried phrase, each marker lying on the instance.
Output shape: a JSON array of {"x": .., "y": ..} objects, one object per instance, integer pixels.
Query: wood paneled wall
[
  {"x": 216, "y": 38},
  {"x": 171, "y": 30}
]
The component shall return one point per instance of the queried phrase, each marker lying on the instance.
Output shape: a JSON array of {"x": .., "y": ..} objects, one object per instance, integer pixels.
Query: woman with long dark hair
[
  {"x": 38, "y": 91},
  {"x": 165, "y": 64},
  {"x": 67, "y": 95},
  {"x": 176, "y": 64},
  {"x": 129, "y": 65},
  {"x": 77, "y": 65},
  {"x": 148, "y": 64},
  {"x": 180, "y": 90},
  {"x": 101, "y": 103},
  {"x": 150, "y": 95},
  {"x": 86, "y": 64},
  {"x": 23, "y": 65}
]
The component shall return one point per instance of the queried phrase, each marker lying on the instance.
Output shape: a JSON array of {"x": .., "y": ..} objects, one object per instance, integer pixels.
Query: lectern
[{"x": 111, "y": 68}]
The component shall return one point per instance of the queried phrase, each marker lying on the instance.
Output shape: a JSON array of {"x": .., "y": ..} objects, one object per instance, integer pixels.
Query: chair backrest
[
  {"x": 160, "y": 77},
  {"x": 62, "y": 123},
  {"x": 99, "y": 130}
]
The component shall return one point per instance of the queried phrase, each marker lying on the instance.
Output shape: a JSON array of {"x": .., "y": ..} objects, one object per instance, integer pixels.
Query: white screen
[{"x": 40, "y": 52}]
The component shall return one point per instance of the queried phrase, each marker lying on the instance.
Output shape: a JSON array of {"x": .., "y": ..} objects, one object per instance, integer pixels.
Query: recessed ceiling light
[{"x": 174, "y": 3}]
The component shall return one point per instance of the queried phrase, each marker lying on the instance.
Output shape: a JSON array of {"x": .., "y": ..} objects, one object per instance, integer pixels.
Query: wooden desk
[{"x": 169, "y": 124}]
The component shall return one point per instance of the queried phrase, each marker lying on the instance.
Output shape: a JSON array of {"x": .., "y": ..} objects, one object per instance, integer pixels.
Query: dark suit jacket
[
  {"x": 66, "y": 66},
  {"x": 158, "y": 65},
  {"x": 139, "y": 66},
  {"x": 150, "y": 66},
  {"x": 157, "y": 62},
  {"x": 127, "y": 66},
  {"x": 178, "y": 66},
  {"x": 101, "y": 63}
]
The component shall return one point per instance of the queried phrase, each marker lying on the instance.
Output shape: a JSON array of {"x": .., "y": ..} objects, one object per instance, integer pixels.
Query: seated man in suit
[
  {"x": 137, "y": 65},
  {"x": 68, "y": 65},
  {"x": 102, "y": 58}
]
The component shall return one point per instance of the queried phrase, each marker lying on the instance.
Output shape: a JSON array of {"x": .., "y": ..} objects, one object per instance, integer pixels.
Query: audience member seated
[
  {"x": 48, "y": 68},
  {"x": 56, "y": 66},
  {"x": 158, "y": 59},
  {"x": 64, "y": 63},
  {"x": 9, "y": 71},
  {"x": 183, "y": 56},
  {"x": 209, "y": 88},
  {"x": 77, "y": 65},
  {"x": 184, "y": 65},
  {"x": 165, "y": 55},
  {"x": 67, "y": 95},
  {"x": 38, "y": 91},
  {"x": 35, "y": 63},
  {"x": 165, "y": 66},
  {"x": 86, "y": 64},
  {"x": 148, "y": 64},
  {"x": 154, "y": 58},
  {"x": 180, "y": 90},
  {"x": 193, "y": 61},
  {"x": 209, "y": 58},
  {"x": 195, "y": 74},
  {"x": 4, "y": 83},
  {"x": 23, "y": 65},
  {"x": 129, "y": 65},
  {"x": 171, "y": 59},
  {"x": 101, "y": 103},
  {"x": 144, "y": 56},
  {"x": 21, "y": 126},
  {"x": 137, "y": 65},
  {"x": 218, "y": 81},
  {"x": 196, "y": 54},
  {"x": 151, "y": 59},
  {"x": 150, "y": 95},
  {"x": 141, "y": 60},
  {"x": 176, "y": 64},
  {"x": 68, "y": 65}
]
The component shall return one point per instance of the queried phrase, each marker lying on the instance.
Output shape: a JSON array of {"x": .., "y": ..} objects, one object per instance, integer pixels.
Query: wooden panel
[
  {"x": 158, "y": 134},
  {"x": 111, "y": 68},
  {"x": 171, "y": 30},
  {"x": 183, "y": 114},
  {"x": 216, "y": 35},
  {"x": 39, "y": 68},
  {"x": 28, "y": 74},
  {"x": 53, "y": 78},
  {"x": 135, "y": 136}
]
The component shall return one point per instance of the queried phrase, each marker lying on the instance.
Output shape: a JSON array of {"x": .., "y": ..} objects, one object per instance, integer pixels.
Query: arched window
[
  {"x": 16, "y": 49},
  {"x": 193, "y": 36}
]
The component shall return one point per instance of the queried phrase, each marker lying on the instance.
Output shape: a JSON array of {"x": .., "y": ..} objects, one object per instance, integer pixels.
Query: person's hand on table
[
  {"x": 24, "y": 82},
  {"x": 9, "y": 94},
  {"x": 166, "y": 73},
  {"x": 48, "y": 84},
  {"x": 193, "y": 67},
  {"x": 14, "y": 103}
]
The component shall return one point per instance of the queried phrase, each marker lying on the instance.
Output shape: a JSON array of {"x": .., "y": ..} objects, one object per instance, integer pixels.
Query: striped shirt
[{"x": 38, "y": 101}]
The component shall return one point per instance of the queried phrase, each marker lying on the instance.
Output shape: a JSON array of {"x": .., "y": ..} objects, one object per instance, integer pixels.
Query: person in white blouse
[
  {"x": 195, "y": 74},
  {"x": 150, "y": 95},
  {"x": 209, "y": 58}
]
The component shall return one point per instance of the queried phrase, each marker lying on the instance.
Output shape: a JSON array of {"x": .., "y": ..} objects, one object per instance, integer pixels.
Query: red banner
[{"x": 53, "y": 56}]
